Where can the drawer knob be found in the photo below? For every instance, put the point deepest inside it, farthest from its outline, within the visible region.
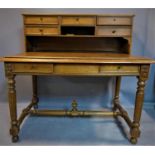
(114, 19)
(41, 30)
(33, 67)
(41, 18)
(119, 67)
(77, 19)
(114, 31)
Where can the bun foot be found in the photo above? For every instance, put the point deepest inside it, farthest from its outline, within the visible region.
(15, 139)
(133, 140)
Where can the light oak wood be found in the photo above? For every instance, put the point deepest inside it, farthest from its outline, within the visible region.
(78, 20)
(77, 57)
(41, 20)
(75, 69)
(32, 68)
(113, 31)
(114, 20)
(117, 69)
(42, 31)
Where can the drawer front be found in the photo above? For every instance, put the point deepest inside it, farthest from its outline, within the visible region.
(119, 69)
(114, 21)
(76, 69)
(32, 68)
(78, 21)
(41, 31)
(113, 31)
(41, 20)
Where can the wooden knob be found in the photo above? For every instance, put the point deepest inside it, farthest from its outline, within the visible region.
(114, 31)
(119, 67)
(77, 19)
(114, 19)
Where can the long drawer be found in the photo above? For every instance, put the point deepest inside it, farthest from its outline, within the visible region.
(78, 20)
(114, 20)
(38, 68)
(119, 69)
(113, 31)
(41, 20)
(53, 30)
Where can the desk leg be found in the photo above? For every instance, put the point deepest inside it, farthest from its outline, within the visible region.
(135, 131)
(13, 108)
(35, 98)
(117, 90)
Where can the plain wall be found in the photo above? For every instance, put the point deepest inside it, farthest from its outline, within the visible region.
(84, 89)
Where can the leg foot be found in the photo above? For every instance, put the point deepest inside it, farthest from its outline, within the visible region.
(133, 140)
(15, 139)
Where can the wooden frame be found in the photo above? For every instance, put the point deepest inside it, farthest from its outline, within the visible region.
(78, 63)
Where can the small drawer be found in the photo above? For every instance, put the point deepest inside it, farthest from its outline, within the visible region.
(78, 20)
(113, 31)
(75, 69)
(114, 20)
(41, 31)
(119, 69)
(41, 20)
(32, 68)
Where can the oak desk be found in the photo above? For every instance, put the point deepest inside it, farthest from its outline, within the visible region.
(77, 45)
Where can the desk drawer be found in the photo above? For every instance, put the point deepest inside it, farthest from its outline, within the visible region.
(32, 68)
(114, 20)
(72, 69)
(78, 20)
(42, 31)
(113, 31)
(119, 69)
(41, 20)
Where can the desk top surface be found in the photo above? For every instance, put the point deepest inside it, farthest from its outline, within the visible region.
(77, 57)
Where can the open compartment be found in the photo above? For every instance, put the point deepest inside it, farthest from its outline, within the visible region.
(78, 44)
(77, 30)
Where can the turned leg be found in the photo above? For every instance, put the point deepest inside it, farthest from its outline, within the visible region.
(35, 98)
(14, 130)
(135, 131)
(117, 90)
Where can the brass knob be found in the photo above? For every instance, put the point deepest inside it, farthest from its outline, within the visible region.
(114, 31)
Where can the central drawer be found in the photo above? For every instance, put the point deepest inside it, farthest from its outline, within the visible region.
(113, 31)
(72, 69)
(32, 68)
(41, 20)
(54, 30)
(78, 20)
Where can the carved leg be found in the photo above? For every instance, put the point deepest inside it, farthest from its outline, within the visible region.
(117, 90)
(35, 98)
(135, 131)
(13, 109)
